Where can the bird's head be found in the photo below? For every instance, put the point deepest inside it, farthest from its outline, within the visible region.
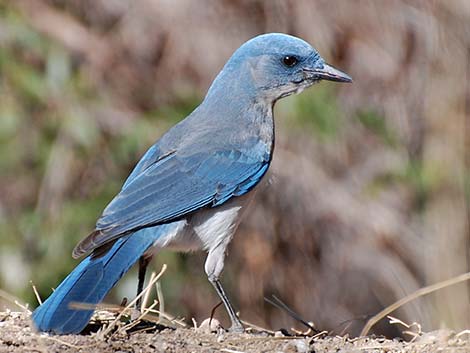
(276, 65)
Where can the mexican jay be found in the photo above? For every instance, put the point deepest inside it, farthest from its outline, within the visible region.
(189, 190)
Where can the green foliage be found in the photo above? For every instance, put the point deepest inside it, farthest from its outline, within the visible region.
(315, 109)
(377, 125)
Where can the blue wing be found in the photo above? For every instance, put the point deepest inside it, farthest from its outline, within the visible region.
(164, 188)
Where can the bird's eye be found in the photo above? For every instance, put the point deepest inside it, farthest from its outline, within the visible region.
(289, 60)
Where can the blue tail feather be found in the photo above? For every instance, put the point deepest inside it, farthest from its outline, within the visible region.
(90, 281)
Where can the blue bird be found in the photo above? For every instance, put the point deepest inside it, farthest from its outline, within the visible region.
(190, 189)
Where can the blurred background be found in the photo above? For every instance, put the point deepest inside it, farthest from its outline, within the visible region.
(368, 194)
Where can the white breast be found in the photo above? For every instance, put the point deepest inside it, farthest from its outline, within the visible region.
(208, 228)
(216, 226)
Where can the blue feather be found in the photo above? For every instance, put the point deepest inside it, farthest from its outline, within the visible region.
(91, 280)
(174, 186)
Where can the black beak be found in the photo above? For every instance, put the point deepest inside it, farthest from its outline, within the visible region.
(328, 72)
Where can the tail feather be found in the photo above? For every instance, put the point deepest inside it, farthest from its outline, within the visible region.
(90, 281)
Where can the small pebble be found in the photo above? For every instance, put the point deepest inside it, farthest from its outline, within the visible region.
(296, 346)
(214, 326)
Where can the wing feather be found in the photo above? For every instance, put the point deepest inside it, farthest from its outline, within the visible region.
(163, 189)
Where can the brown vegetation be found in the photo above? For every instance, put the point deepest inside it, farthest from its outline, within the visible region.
(368, 194)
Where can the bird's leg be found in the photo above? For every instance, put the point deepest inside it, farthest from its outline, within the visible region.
(214, 267)
(236, 323)
(143, 263)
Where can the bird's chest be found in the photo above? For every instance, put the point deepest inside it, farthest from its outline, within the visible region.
(216, 226)
(211, 227)
(260, 124)
(252, 132)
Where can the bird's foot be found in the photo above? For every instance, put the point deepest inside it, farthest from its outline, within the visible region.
(236, 327)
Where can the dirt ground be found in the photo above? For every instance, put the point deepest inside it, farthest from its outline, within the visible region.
(16, 335)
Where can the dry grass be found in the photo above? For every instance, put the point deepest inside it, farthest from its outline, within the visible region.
(16, 336)
(419, 293)
(111, 332)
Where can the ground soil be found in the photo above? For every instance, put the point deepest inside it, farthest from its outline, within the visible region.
(16, 335)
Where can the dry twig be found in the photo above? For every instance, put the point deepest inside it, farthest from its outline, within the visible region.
(36, 293)
(147, 294)
(419, 293)
(14, 300)
(105, 332)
